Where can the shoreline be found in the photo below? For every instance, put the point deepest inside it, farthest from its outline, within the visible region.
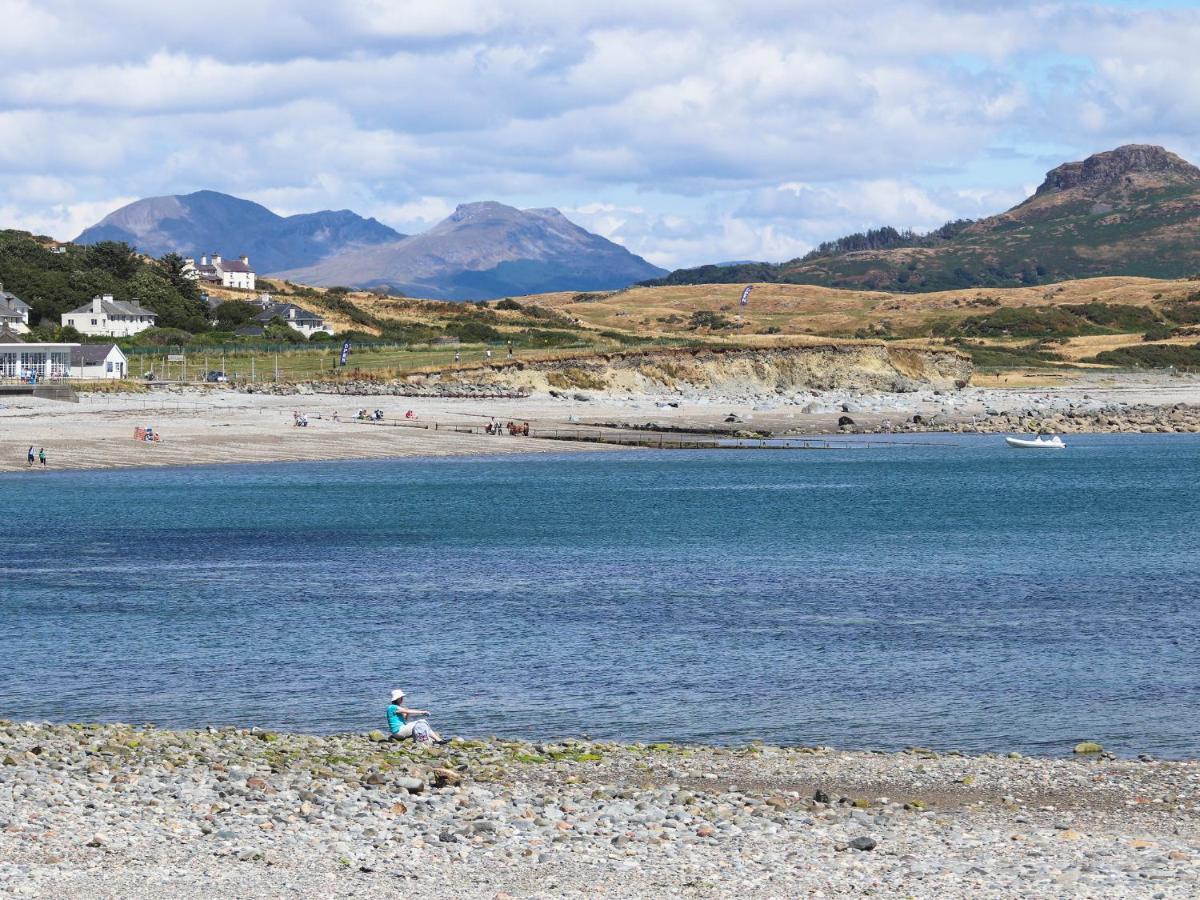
(221, 426)
(117, 810)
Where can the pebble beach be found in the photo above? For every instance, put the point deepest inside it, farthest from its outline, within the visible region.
(122, 811)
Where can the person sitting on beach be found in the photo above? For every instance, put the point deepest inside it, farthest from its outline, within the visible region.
(400, 726)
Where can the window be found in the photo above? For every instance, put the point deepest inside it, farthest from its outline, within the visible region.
(93, 321)
(108, 366)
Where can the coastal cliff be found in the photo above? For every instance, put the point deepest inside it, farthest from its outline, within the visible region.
(726, 371)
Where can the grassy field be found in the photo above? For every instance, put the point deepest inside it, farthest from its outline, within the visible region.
(1004, 329)
(315, 363)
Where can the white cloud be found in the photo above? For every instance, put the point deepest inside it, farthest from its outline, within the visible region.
(777, 123)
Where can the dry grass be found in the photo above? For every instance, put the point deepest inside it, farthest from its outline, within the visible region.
(797, 310)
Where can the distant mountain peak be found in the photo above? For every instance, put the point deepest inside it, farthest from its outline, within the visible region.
(196, 223)
(487, 249)
(1110, 168)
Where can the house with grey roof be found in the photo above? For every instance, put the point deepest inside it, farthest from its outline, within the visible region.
(109, 317)
(14, 312)
(230, 273)
(98, 361)
(297, 317)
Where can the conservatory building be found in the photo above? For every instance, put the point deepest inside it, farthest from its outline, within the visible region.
(33, 363)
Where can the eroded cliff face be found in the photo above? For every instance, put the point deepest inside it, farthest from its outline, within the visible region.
(865, 367)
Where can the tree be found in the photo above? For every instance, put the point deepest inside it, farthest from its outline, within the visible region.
(233, 313)
(115, 257)
(153, 289)
(172, 265)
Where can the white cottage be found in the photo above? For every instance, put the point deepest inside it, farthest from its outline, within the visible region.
(98, 361)
(297, 317)
(113, 318)
(230, 273)
(14, 312)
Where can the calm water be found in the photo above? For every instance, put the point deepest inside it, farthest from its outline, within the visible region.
(962, 595)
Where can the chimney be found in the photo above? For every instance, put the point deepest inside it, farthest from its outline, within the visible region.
(291, 312)
(246, 261)
(190, 261)
(204, 260)
(96, 301)
(216, 259)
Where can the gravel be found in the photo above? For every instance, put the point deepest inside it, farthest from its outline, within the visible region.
(122, 811)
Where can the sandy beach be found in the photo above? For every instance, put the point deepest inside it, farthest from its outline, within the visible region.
(212, 426)
(122, 811)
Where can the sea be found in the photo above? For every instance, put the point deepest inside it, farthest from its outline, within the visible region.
(943, 591)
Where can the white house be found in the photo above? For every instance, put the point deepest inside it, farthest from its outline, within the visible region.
(230, 273)
(32, 362)
(297, 317)
(114, 318)
(98, 361)
(14, 312)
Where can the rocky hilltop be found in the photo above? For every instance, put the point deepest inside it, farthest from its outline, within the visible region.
(1121, 168)
(1134, 210)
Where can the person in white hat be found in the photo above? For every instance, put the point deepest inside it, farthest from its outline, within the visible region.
(400, 726)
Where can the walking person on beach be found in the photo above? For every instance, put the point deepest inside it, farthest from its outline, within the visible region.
(29, 457)
(42, 456)
(400, 726)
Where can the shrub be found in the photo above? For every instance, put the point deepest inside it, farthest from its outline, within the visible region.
(703, 318)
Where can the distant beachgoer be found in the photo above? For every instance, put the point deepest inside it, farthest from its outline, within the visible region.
(29, 457)
(487, 354)
(42, 456)
(400, 726)
(457, 357)
(510, 353)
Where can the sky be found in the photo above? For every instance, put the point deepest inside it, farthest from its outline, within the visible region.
(690, 132)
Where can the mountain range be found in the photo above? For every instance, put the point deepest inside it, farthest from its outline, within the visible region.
(207, 221)
(1134, 210)
(481, 251)
(486, 250)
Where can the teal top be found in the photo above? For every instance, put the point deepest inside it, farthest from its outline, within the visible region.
(395, 719)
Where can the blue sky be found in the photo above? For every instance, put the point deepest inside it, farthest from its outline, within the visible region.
(689, 131)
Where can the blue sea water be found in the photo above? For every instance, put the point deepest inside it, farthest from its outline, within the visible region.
(955, 595)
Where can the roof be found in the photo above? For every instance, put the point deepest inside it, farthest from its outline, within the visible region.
(91, 354)
(116, 308)
(234, 265)
(8, 336)
(283, 311)
(249, 331)
(10, 302)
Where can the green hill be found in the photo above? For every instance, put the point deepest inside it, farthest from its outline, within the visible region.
(1130, 211)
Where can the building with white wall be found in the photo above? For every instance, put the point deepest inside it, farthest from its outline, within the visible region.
(230, 273)
(98, 361)
(14, 312)
(33, 363)
(297, 317)
(109, 317)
